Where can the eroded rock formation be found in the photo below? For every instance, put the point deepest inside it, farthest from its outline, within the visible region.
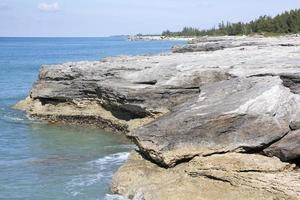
(239, 115)
(204, 118)
(227, 177)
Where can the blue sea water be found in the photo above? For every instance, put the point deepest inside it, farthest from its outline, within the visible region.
(42, 161)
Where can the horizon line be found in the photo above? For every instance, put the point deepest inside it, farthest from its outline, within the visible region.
(63, 36)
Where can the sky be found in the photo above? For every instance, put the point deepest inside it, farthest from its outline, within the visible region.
(86, 18)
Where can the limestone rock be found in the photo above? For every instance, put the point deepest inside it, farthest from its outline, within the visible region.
(209, 46)
(142, 87)
(295, 123)
(226, 94)
(227, 177)
(292, 81)
(288, 148)
(218, 43)
(234, 115)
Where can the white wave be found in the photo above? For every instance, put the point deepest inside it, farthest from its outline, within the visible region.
(125, 146)
(111, 159)
(102, 171)
(13, 118)
(115, 197)
(77, 184)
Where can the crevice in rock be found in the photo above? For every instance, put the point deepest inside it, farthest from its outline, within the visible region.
(159, 162)
(262, 75)
(186, 159)
(123, 114)
(152, 82)
(215, 153)
(185, 88)
(146, 156)
(256, 171)
(259, 149)
(291, 81)
(288, 45)
(296, 162)
(52, 101)
(183, 160)
(214, 178)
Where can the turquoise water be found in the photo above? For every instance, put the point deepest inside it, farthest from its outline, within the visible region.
(41, 161)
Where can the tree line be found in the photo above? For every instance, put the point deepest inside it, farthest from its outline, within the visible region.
(285, 23)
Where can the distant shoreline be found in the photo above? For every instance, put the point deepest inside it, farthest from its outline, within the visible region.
(157, 37)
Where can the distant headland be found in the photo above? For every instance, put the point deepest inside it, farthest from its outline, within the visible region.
(282, 24)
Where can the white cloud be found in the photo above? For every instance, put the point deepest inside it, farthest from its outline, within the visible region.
(49, 7)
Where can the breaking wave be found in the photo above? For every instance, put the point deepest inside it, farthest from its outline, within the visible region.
(114, 197)
(117, 158)
(102, 169)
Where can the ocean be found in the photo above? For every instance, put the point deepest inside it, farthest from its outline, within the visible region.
(41, 161)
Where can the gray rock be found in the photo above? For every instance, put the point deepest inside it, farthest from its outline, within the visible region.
(292, 81)
(142, 102)
(295, 123)
(184, 109)
(207, 44)
(234, 115)
(287, 149)
(129, 92)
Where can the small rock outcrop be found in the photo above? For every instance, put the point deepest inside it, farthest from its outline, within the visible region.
(217, 43)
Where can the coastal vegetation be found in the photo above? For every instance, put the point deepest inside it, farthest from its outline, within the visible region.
(285, 23)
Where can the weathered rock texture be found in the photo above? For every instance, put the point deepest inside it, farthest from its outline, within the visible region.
(227, 177)
(234, 115)
(222, 95)
(220, 43)
(288, 148)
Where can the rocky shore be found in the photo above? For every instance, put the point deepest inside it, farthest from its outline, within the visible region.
(215, 119)
(157, 37)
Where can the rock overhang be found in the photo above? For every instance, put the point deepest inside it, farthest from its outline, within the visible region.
(169, 85)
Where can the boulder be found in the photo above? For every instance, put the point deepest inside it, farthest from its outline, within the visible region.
(287, 149)
(295, 123)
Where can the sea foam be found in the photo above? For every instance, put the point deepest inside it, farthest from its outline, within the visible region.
(103, 172)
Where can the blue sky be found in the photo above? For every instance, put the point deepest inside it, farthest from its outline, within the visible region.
(116, 17)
